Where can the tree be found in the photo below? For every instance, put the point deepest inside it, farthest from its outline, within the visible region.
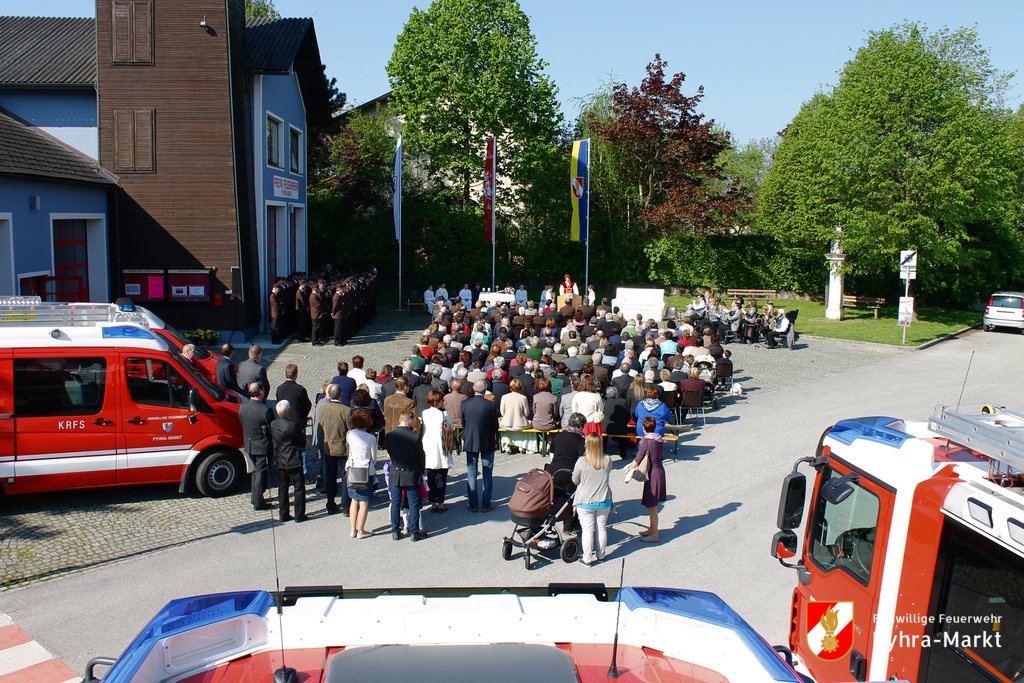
(670, 154)
(261, 9)
(466, 69)
(911, 149)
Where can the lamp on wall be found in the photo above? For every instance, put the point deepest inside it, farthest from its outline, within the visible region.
(35, 202)
(205, 26)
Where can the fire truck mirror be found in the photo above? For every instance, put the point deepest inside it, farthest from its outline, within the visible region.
(835, 491)
(791, 506)
(193, 399)
(784, 544)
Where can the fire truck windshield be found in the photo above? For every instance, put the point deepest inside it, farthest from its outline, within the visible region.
(188, 368)
(843, 534)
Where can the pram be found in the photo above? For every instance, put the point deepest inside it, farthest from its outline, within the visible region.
(537, 505)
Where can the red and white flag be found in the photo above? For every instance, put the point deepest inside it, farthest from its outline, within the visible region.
(489, 165)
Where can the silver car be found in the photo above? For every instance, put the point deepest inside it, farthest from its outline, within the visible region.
(1005, 309)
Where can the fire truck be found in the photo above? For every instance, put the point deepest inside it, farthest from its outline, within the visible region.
(911, 564)
(92, 396)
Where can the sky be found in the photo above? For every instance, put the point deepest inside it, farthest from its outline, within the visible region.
(758, 61)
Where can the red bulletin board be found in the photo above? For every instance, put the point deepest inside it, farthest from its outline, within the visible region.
(144, 285)
(189, 285)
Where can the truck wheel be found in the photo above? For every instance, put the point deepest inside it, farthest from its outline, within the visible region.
(218, 474)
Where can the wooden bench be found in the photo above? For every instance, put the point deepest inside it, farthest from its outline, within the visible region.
(537, 432)
(752, 295)
(857, 301)
(410, 304)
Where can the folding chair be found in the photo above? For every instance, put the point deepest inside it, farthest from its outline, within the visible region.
(695, 400)
(671, 399)
(723, 374)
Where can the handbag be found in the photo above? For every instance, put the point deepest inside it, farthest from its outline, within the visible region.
(641, 471)
(359, 475)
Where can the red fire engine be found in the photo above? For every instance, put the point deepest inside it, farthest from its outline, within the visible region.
(912, 561)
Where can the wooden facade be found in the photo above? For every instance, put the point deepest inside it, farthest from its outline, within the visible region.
(171, 104)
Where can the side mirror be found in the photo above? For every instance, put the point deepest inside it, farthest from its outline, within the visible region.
(784, 544)
(835, 491)
(193, 399)
(791, 505)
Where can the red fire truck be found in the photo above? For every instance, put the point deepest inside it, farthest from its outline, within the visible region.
(911, 564)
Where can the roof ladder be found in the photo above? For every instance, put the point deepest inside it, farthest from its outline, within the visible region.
(1000, 435)
(31, 311)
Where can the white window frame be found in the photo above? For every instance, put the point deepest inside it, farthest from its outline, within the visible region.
(302, 150)
(280, 143)
(7, 265)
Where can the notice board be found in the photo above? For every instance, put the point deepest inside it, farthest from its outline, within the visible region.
(189, 285)
(144, 285)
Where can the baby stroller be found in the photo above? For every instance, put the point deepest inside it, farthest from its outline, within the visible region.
(537, 506)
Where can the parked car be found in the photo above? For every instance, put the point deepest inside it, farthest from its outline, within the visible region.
(1005, 309)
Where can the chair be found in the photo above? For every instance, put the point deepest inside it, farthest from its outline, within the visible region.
(670, 399)
(723, 374)
(671, 313)
(790, 339)
(695, 400)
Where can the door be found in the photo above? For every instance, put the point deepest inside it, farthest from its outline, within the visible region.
(845, 556)
(158, 426)
(6, 417)
(64, 421)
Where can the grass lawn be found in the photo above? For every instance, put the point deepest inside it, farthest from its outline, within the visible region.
(860, 324)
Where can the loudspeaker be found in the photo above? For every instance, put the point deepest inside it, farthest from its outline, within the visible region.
(236, 282)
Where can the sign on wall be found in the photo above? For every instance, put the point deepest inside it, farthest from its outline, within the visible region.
(286, 188)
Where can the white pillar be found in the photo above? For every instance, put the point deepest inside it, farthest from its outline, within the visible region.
(834, 305)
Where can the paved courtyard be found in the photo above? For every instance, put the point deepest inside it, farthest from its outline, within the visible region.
(43, 536)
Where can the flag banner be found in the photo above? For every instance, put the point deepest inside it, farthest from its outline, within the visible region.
(397, 196)
(489, 190)
(579, 179)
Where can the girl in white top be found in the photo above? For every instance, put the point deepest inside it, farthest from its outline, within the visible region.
(593, 498)
(362, 452)
(437, 462)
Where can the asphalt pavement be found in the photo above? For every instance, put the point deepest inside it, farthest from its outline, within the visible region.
(717, 524)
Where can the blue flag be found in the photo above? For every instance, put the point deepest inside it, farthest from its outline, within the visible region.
(579, 181)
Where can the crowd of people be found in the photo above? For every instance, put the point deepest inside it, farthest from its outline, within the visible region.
(482, 379)
(325, 308)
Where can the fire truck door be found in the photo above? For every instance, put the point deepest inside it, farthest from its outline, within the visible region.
(845, 556)
(155, 419)
(6, 418)
(64, 424)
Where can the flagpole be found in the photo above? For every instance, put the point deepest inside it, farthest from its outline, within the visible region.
(494, 198)
(397, 209)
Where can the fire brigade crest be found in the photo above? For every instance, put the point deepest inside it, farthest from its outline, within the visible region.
(168, 426)
(829, 629)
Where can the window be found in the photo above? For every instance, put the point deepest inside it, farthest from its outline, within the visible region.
(295, 150)
(131, 31)
(53, 387)
(1006, 301)
(843, 535)
(273, 141)
(977, 584)
(134, 140)
(156, 383)
(70, 262)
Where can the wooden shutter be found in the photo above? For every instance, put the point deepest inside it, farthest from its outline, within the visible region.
(121, 31)
(144, 140)
(124, 157)
(142, 31)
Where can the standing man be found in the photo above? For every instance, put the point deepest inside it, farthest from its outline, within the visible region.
(276, 314)
(396, 404)
(405, 447)
(480, 433)
(252, 370)
(302, 311)
(256, 418)
(288, 442)
(295, 394)
(334, 425)
(345, 383)
(319, 312)
(226, 375)
(338, 313)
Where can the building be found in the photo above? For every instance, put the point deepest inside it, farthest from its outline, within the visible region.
(203, 118)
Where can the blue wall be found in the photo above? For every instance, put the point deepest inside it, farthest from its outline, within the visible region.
(282, 98)
(31, 228)
(51, 108)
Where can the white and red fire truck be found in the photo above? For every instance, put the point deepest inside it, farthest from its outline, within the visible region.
(912, 560)
(91, 396)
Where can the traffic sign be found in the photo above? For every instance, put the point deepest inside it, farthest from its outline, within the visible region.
(906, 311)
(908, 264)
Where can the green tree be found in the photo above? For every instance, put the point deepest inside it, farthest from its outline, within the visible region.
(261, 9)
(466, 69)
(911, 149)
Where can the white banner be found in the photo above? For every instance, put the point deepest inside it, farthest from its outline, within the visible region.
(648, 302)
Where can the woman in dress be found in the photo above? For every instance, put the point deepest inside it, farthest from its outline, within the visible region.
(654, 488)
(593, 499)
(437, 461)
(362, 453)
(654, 408)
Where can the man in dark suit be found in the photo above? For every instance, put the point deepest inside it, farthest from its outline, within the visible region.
(405, 448)
(251, 370)
(288, 443)
(255, 417)
(293, 392)
(276, 315)
(226, 375)
(302, 311)
(480, 433)
(344, 382)
(319, 312)
(498, 387)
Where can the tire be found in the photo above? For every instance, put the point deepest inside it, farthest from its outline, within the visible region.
(570, 550)
(989, 328)
(219, 474)
(506, 550)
